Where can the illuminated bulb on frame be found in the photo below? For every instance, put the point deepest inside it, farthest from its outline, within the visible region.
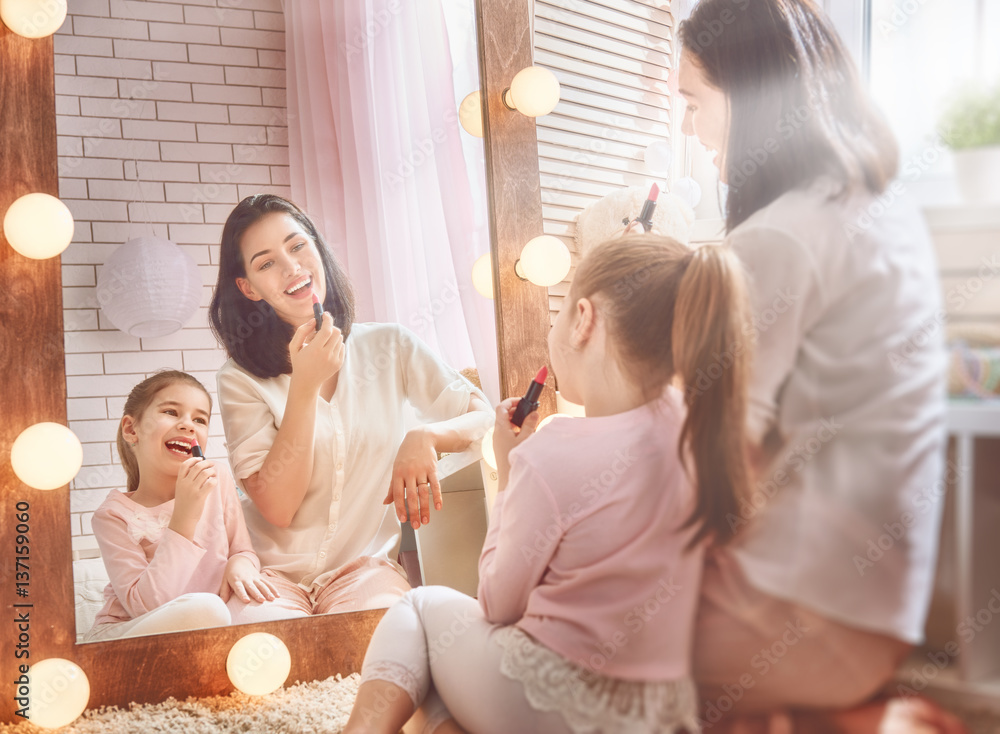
(58, 692)
(31, 18)
(38, 226)
(258, 664)
(489, 455)
(687, 190)
(46, 455)
(533, 92)
(470, 114)
(482, 276)
(545, 261)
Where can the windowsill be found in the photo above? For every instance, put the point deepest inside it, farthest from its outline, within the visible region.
(962, 217)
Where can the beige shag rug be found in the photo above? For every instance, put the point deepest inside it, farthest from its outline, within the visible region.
(304, 708)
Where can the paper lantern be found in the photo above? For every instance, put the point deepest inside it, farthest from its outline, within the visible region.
(38, 226)
(258, 664)
(33, 18)
(58, 692)
(46, 456)
(470, 114)
(149, 287)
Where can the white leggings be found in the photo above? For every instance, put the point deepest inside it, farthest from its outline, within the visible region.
(186, 612)
(436, 635)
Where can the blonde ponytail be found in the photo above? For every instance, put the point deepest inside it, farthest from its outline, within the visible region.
(711, 355)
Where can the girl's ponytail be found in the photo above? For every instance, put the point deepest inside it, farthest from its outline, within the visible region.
(711, 355)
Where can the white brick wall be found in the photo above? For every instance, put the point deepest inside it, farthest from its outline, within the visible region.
(167, 113)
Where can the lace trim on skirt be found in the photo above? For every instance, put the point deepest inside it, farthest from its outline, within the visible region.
(398, 674)
(590, 702)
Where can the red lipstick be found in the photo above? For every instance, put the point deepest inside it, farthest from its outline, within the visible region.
(529, 403)
(196, 449)
(317, 311)
(646, 216)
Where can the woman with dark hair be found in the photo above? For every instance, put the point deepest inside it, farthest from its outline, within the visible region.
(810, 609)
(314, 417)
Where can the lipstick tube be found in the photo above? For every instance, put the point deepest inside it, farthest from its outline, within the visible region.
(529, 403)
(646, 215)
(317, 311)
(196, 451)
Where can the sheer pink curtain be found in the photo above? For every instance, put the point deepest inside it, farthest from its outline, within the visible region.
(376, 159)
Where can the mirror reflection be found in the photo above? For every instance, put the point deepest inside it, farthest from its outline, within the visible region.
(168, 117)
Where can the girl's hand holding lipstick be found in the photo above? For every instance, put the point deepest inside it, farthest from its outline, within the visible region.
(196, 479)
(507, 436)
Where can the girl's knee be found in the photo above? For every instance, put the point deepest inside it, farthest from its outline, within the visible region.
(204, 609)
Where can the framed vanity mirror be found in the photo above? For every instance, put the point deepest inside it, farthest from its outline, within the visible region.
(149, 669)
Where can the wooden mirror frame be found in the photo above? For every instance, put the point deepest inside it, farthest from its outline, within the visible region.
(151, 669)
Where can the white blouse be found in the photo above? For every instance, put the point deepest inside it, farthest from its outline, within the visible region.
(848, 391)
(357, 436)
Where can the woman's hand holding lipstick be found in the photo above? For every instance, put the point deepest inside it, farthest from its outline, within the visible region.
(316, 361)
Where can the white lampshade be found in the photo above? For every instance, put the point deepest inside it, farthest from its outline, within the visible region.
(545, 260)
(258, 664)
(33, 18)
(38, 226)
(657, 157)
(46, 456)
(58, 692)
(149, 287)
(489, 455)
(533, 92)
(482, 276)
(470, 114)
(687, 190)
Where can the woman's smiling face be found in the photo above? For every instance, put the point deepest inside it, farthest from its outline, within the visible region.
(283, 267)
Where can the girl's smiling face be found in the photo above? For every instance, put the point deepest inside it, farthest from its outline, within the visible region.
(283, 267)
(706, 114)
(163, 435)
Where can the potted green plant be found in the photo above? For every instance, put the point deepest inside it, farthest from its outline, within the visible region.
(970, 126)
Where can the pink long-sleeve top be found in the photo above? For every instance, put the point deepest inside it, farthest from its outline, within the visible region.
(586, 550)
(149, 564)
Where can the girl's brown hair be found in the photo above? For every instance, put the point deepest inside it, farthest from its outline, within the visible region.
(138, 401)
(797, 108)
(673, 311)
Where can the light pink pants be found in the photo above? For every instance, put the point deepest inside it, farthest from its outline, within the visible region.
(755, 653)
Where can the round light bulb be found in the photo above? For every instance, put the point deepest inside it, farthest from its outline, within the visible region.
(545, 260)
(258, 664)
(33, 18)
(687, 190)
(489, 455)
(658, 157)
(38, 226)
(534, 91)
(548, 419)
(46, 456)
(58, 692)
(470, 114)
(482, 276)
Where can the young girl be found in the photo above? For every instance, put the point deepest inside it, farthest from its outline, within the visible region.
(315, 416)
(174, 544)
(590, 573)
